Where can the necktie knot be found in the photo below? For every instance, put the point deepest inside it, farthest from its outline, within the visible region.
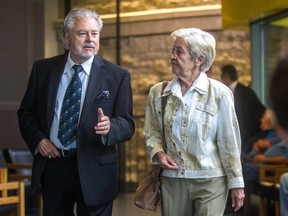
(77, 68)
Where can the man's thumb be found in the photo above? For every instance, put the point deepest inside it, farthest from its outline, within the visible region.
(100, 113)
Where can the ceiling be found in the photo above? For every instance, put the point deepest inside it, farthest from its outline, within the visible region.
(238, 14)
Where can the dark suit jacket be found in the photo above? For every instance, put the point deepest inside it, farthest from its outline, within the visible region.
(249, 111)
(97, 162)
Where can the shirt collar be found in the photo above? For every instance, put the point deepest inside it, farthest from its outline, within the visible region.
(200, 85)
(86, 65)
(233, 86)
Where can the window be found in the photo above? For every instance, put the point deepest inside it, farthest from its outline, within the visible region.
(269, 42)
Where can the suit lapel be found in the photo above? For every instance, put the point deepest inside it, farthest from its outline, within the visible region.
(96, 77)
(57, 70)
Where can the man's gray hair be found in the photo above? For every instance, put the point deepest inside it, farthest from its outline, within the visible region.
(78, 14)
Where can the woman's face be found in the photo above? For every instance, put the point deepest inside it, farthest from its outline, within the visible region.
(183, 64)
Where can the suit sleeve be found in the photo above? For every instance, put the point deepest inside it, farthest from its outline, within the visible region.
(28, 114)
(122, 125)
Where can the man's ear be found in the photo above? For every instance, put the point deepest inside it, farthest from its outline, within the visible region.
(67, 39)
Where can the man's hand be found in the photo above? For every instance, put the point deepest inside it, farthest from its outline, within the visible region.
(47, 149)
(103, 126)
(260, 158)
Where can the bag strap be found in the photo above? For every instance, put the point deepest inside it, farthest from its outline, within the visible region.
(157, 169)
(163, 105)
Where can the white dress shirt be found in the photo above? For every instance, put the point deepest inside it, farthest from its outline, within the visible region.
(65, 80)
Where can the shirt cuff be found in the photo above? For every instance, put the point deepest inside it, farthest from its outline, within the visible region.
(237, 182)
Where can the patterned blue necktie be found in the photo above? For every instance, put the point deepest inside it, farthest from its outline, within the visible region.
(70, 109)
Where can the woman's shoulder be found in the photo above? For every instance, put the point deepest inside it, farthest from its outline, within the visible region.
(157, 88)
(216, 83)
(219, 86)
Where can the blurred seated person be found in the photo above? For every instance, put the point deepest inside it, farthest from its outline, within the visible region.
(261, 151)
(271, 150)
(263, 140)
(276, 154)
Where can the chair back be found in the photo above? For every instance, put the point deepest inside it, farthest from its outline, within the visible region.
(19, 157)
(11, 193)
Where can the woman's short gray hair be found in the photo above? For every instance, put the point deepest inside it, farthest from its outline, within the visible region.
(78, 14)
(200, 43)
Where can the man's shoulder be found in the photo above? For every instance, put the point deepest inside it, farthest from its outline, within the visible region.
(247, 94)
(53, 59)
(110, 66)
(218, 87)
(241, 86)
(244, 89)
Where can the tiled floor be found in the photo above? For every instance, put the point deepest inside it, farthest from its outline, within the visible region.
(124, 206)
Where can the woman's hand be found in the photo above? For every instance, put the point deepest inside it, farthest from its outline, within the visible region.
(237, 195)
(166, 161)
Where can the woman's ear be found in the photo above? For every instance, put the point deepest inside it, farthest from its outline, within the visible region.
(200, 60)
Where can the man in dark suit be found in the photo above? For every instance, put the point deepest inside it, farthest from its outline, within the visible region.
(77, 163)
(249, 108)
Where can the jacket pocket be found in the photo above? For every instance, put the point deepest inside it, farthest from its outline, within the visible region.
(204, 114)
